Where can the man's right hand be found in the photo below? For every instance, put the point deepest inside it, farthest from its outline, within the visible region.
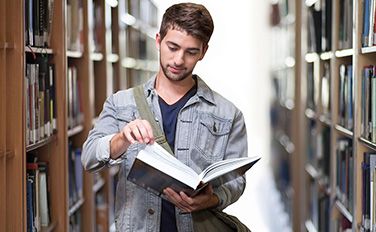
(138, 130)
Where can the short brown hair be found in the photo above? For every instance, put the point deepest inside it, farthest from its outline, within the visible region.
(192, 18)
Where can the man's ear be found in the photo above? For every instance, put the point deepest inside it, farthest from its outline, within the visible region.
(205, 48)
(158, 41)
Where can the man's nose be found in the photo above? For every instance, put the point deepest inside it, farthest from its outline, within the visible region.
(179, 58)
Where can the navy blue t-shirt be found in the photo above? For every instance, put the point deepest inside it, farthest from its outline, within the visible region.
(169, 116)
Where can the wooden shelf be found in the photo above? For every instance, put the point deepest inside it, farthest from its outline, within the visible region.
(49, 228)
(326, 120)
(313, 173)
(286, 143)
(76, 130)
(326, 55)
(342, 209)
(96, 56)
(98, 185)
(39, 50)
(368, 50)
(74, 54)
(311, 57)
(146, 65)
(344, 53)
(112, 58)
(40, 143)
(368, 143)
(133, 22)
(76, 206)
(310, 227)
(311, 114)
(344, 131)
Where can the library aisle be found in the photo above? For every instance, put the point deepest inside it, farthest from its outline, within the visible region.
(260, 207)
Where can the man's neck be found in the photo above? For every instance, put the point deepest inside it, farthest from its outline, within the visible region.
(172, 91)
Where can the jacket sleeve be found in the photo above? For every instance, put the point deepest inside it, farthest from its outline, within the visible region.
(96, 149)
(237, 147)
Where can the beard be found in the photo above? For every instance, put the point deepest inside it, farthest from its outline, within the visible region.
(175, 77)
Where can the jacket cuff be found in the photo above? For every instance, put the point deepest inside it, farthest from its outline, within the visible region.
(103, 148)
(222, 196)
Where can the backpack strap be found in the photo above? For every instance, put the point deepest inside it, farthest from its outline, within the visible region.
(145, 113)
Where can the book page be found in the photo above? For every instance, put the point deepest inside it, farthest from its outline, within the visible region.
(157, 157)
(228, 169)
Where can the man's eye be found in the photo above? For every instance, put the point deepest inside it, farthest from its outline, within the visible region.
(172, 49)
(192, 53)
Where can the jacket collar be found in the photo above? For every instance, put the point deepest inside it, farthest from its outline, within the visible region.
(203, 90)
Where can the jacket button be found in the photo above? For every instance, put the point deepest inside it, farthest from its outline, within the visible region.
(151, 211)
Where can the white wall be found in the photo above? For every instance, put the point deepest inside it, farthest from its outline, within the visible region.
(236, 65)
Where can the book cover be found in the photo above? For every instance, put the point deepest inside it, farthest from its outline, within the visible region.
(155, 169)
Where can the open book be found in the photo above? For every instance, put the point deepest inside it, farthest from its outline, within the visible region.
(155, 169)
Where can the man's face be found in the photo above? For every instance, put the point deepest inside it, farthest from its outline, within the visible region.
(179, 54)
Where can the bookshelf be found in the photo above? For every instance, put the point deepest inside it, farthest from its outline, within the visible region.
(58, 64)
(335, 134)
(286, 105)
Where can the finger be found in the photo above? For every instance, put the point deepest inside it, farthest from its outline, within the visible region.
(174, 198)
(135, 132)
(128, 135)
(186, 198)
(149, 130)
(144, 130)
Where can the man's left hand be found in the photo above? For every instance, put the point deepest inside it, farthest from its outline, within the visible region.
(206, 199)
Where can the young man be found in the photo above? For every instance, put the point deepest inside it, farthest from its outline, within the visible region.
(200, 125)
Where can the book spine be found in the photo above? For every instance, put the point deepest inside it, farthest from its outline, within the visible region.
(373, 108)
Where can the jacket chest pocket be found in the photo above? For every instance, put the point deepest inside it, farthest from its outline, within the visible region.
(125, 115)
(212, 136)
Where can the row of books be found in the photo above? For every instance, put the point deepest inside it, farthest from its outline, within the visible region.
(346, 96)
(369, 23)
(315, 87)
(75, 25)
(142, 45)
(345, 36)
(97, 26)
(75, 222)
(74, 100)
(369, 192)
(320, 26)
(312, 87)
(325, 90)
(318, 153)
(38, 20)
(345, 173)
(143, 10)
(368, 104)
(37, 197)
(40, 99)
(319, 208)
(75, 172)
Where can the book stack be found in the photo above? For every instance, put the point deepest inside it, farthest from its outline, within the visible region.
(346, 96)
(37, 197)
(368, 104)
(345, 173)
(40, 99)
(38, 20)
(369, 192)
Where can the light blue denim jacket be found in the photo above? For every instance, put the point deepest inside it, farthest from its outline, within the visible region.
(209, 128)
